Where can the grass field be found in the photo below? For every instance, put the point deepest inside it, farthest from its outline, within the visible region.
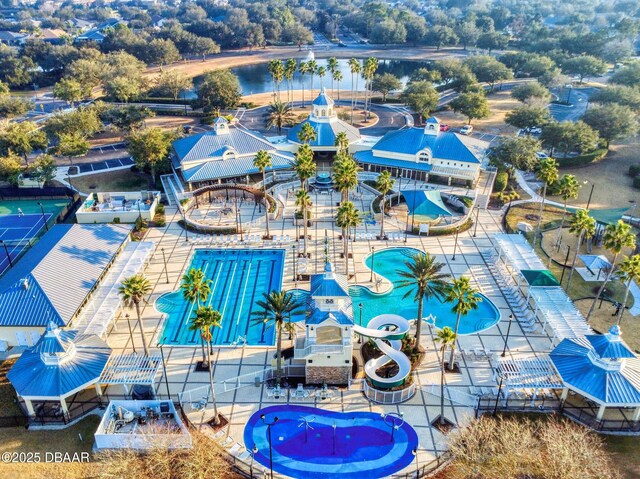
(626, 454)
(120, 180)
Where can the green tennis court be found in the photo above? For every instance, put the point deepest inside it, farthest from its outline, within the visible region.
(10, 207)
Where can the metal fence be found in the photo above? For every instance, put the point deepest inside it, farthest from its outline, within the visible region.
(389, 397)
(46, 192)
(454, 395)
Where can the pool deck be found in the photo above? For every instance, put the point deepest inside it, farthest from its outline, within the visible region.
(240, 404)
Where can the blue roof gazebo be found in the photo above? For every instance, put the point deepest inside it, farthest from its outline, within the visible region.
(601, 368)
(60, 364)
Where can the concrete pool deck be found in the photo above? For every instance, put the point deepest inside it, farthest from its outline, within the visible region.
(238, 405)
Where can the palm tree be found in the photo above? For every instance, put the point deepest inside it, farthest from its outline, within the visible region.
(321, 72)
(303, 201)
(342, 142)
(204, 319)
(133, 290)
(384, 184)
(548, 173)
(446, 338)
(355, 67)
(332, 66)
(313, 68)
(347, 217)
(424, 279)
(629, 272)
(280, 115)
(616, 238)
(196, 288)
(289, 70)
(337, 77)
(369, 70)
(583, 226)
(276, 68)
(345, 174)
(568, 187)
(307, 133)
(262, 161)
(303, 68)
(278, 307)
(304, 165)
(466, 299)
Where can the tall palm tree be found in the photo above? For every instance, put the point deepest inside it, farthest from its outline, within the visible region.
(290, 68)
(304, 165)
(280, 114)
(629, 272)
(616, 238)
(345, 174)
(307, 133)
(277, 307)
(204, 320)
(133, 290)
(445, 337)
(337, 77)
(276, 68)
(466, 299)
(423, 278)
(342, 142)
(332, 66)
(303, 201)
(262, 161)
(384, 184)
(355, 67)
(196, 288)
(583, 226)
(347, 217)
(547, 171)
(369, 70)
(568, 187)
(313, 68)
(303, 68)
(321, 72)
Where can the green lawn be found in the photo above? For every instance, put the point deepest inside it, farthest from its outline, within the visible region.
(8, 404)
(120, 180)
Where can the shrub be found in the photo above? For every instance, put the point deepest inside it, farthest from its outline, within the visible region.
(116, 220)
(584, 159)
(634, 170)
(140, 224)
(160, 223)
(501, 181)
(160, 209)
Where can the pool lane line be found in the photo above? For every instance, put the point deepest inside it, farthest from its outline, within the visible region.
(229, 283)
(270, 289)
(226, 268)
(244, 294)
(243, 277)
(252, 301)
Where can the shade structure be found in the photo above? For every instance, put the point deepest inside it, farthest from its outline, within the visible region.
(556, 310)
(59, 364)
(516, 251)
(594, 262)
(587, 366)
(425, 203)
(539, 277)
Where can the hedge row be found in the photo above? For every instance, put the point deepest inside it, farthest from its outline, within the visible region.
(584, 159)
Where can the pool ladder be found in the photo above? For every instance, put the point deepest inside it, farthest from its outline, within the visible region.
(240, 341)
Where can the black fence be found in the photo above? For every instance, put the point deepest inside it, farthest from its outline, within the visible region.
(47, 192)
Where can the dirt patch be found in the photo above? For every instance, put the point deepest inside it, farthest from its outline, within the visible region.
(603, 318)
(121, 180)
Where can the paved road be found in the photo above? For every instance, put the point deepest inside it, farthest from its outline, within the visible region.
(579, 98)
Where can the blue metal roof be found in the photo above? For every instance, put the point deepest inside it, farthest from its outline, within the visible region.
(444, 145)
(339, 316)
(605, 379)
(432, 119)
(329, 284)
(610, 345)
(369, 158)
(323, 99)
(51, 281)
(61, 362)
(212, 144)
(233, 167)
(326, 132)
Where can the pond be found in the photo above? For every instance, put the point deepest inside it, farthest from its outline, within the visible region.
(257, 79)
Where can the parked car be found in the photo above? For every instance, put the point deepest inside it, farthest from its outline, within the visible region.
(541, 155)
(444, 127)
(466, 130)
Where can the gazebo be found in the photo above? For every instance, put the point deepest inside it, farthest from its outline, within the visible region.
(600, 368)
(61, 364)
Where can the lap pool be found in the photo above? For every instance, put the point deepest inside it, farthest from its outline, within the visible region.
(387, 262)
(360, 446)
(239, 278)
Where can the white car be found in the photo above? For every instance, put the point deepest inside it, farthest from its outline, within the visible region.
(466, 130)
(541, 155)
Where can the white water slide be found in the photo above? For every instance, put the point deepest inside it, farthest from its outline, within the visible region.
(387, 331)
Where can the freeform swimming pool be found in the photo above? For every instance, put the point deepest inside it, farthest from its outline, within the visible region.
(239, 278)
(387, 262)
(364, 445)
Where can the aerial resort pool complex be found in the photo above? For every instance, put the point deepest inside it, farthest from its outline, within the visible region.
(238, 279)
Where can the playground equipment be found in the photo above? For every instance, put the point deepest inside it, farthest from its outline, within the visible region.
(387, 331)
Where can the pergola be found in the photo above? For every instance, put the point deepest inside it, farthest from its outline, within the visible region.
(601, 368)
(131, 369)
(533, 373)
(516, 252)
(555, 308)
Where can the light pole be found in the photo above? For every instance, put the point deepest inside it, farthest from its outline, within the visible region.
(475, 227)
(593, 185)
(506, 339)
(164, 259)
(6, 250)
(269, 424)
(184, 222)
(455, 244)
(44, 218)
(295, 276)
(495, 407)
(133, 343)
(415, 454)
(164, 369)
(252, 452)
(373, 261)
(360, 306)
(240, 226)
(564, 266)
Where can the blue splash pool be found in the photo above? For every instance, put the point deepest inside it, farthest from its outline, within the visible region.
(364, 446)
(238, 280)
(387, 262)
